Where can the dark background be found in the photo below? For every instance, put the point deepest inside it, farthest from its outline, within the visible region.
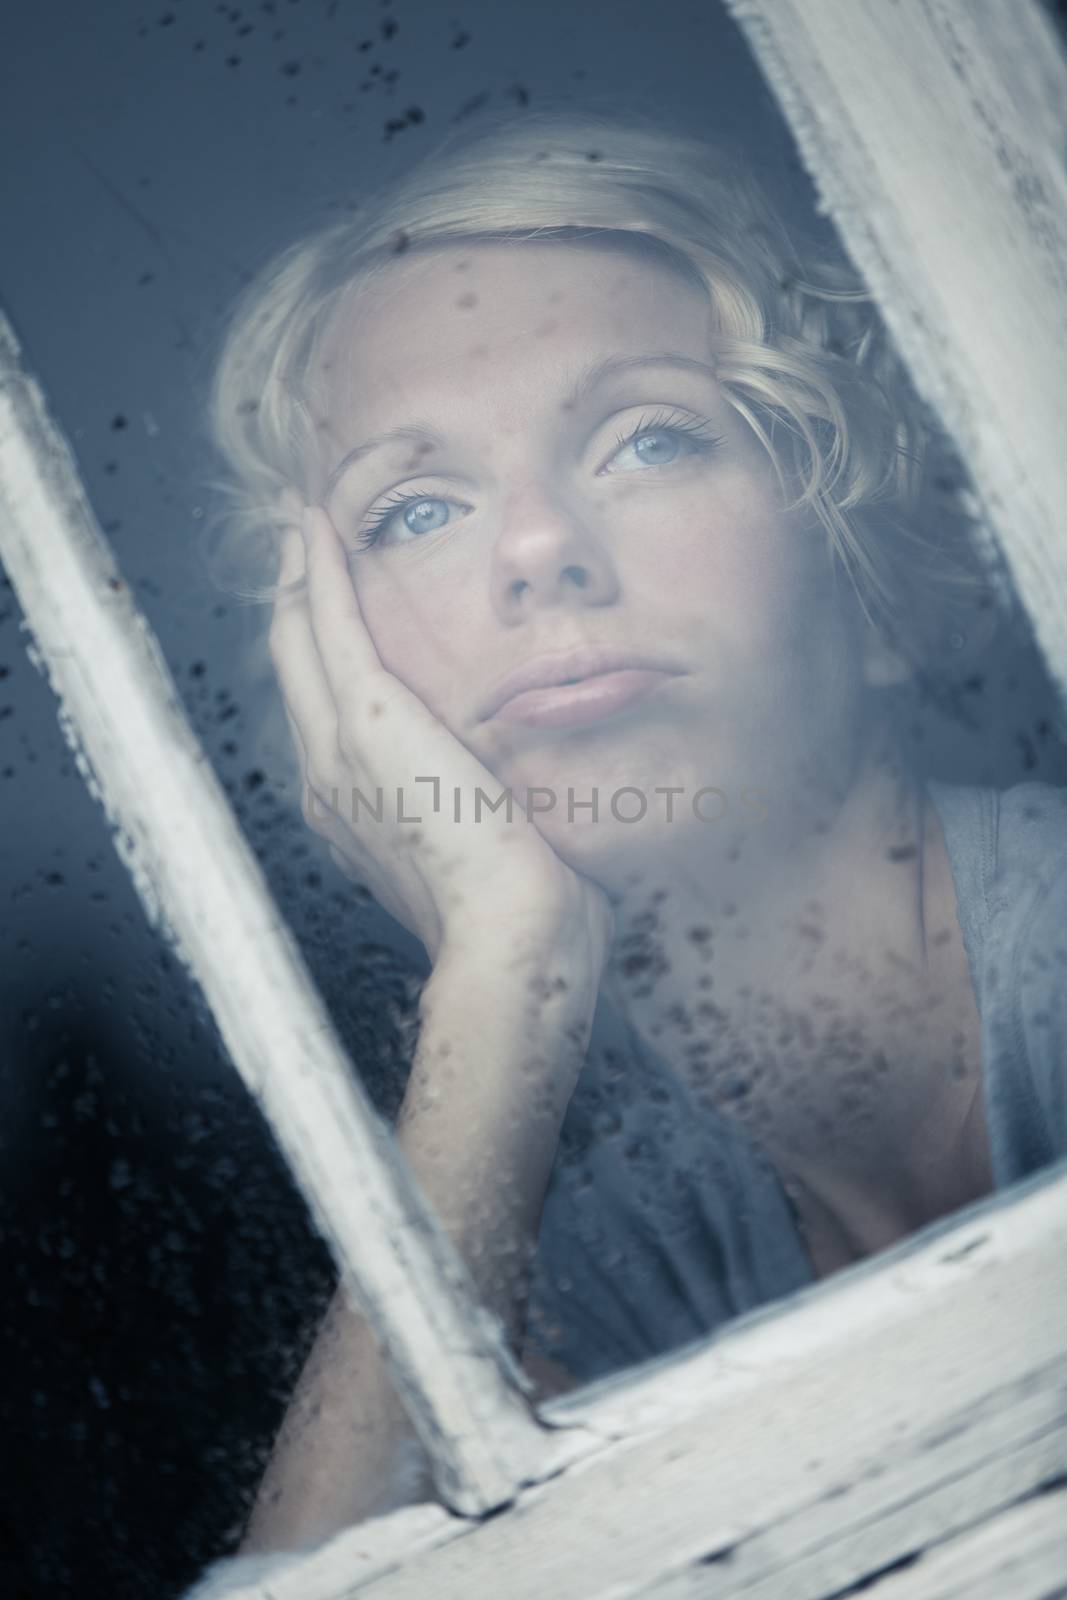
(161, 1278)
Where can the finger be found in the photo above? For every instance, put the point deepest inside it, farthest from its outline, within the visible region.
(318, 801)
(291, 563)
(305, 691)
(366, 694)
(353, 668)
(347, 866)
(298, 744)
(290, 589)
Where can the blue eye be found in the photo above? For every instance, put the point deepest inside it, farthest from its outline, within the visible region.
(659, 447)
(422, 516)
(417, 513)
(659, 440)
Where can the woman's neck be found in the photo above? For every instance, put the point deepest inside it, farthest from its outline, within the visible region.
(734, 913)
(819, 994)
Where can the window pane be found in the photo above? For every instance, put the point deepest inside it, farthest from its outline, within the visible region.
(714, 1029)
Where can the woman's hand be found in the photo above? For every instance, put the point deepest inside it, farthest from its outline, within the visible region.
(357, 726)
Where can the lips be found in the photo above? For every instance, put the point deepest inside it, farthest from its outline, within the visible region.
(571, 666)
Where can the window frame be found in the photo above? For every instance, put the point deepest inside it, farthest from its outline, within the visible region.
(950, 1297)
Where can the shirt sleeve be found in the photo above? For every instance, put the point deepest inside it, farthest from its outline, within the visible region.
(1041, 1010)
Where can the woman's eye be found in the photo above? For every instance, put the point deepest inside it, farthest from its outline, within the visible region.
(657, 445)
(422, 516)
(657, 448)
(407, 517)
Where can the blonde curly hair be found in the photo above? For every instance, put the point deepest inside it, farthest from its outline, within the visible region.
(801, 352)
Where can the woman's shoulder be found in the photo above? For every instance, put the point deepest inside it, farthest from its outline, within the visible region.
(1033, 855)
(1000, 840)
(1008, 850)
(1031, 832)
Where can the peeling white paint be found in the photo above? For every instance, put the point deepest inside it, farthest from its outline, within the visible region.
(205, 893)
(936, 132)
(801, 1450)
(879, 1416)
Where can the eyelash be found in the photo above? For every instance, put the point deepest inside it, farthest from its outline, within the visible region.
(700, 442)
(673, 422)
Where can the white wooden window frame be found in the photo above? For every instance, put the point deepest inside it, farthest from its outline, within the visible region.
(902, 1426)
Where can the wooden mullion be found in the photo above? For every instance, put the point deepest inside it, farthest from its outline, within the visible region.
(935, 132)
(205, 892)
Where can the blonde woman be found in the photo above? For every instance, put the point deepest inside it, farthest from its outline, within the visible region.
(608, 543)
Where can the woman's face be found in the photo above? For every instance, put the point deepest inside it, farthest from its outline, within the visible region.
(564, 472)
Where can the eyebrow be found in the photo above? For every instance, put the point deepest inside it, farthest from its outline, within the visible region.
(597, 373)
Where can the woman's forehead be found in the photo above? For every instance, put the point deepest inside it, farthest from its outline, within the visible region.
(469, 300)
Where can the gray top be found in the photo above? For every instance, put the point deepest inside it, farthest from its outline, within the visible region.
(664, 1219)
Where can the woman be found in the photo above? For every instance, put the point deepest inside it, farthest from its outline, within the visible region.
(599, 501)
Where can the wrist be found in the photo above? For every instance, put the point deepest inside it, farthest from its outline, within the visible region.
(569, 936)
(501, 1036)
(517, 987)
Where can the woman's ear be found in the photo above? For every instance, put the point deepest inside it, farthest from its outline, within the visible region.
(882, 665)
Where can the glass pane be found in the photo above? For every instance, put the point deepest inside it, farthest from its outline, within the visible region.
(662, 556)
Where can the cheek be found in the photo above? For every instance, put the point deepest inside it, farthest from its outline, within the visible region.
(406, 632)
(724, 550)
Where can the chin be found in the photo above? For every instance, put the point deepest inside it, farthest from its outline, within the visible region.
(607, 851)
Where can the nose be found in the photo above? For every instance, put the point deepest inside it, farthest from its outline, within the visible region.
(546, 555)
